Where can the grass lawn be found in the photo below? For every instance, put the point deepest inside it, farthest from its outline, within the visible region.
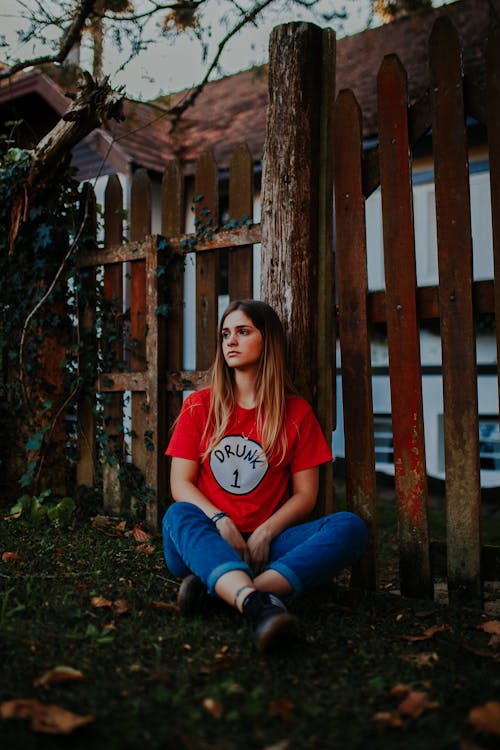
(355, 677)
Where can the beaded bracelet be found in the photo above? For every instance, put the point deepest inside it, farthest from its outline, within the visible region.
(217, 516)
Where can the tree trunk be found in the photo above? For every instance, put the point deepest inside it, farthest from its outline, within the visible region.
(290, 194)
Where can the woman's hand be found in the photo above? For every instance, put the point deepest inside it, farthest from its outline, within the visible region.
(259, 544)
(228, 531)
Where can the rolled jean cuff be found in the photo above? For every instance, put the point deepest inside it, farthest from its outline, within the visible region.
(290, 576)
(226, 567)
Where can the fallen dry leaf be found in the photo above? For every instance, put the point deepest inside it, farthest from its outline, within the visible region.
(480, 652)
(44, 717)
(11, 556)
(429, 633)
(145, 549)
(120, 606)
(415, 703)
(108, 525)
(391, 718)
(486, 718)
(140, 535)
(58, 675)
(213, 707)
(492, 627)
(100, 601)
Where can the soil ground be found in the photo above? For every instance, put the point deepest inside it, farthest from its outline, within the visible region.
(365, 669)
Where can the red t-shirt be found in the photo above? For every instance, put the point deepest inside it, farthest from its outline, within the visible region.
(236, 476)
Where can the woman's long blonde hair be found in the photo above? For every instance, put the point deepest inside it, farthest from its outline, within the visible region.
(272, 385)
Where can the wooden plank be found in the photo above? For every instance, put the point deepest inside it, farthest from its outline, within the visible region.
(240, 260)
(87, 359)
(119, 382)
(223, 238)
(463, 495)
(290, 194)
(181, 243)
(483, 297)
(206, 213)
(156, 356)
(140, 215)
(493, 94)
(403, 330)
(140, 227)
(352, 287)
(187, 380)
(116, 254)
(113, 310)
(172, 224)
(326, 346)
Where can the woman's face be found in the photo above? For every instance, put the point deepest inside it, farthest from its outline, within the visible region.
(242, 342)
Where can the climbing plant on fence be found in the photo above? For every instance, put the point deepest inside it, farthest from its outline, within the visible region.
(37, 347)
(59, 329)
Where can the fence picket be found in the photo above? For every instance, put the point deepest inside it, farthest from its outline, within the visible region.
(240, 267)
(353, 327)
(86, 439)
(140, 225)
(207, 264)
(113, 298)
(172, 225)
(403, 330)
(463, 492)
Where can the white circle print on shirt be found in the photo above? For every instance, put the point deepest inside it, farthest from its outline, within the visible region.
(238, 464)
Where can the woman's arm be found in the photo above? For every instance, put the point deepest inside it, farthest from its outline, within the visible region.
(183, 477)
(297, 507)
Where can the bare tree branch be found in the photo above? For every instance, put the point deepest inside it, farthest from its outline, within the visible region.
(69, 38)
(249, 17)
(95, 103)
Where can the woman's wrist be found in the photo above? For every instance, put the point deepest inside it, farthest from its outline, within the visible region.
(217, 517)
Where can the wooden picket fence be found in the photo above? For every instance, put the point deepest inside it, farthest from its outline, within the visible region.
(455, 302)
(155, 377)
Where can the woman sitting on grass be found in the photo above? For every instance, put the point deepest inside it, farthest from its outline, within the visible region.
(245, 465)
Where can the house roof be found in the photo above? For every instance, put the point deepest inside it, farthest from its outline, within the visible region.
(232, 110)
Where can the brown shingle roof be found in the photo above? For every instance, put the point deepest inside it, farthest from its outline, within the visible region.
(233, 109)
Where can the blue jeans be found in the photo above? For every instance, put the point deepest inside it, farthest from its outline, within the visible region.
(306, 555)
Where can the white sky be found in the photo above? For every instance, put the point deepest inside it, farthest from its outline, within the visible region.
(174, 64)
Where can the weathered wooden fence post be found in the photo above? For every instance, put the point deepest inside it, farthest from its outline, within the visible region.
(352, 279)
(461, 431)
(403, 330)
(172, 224)
(87, 446)
(113, 296)
(292, 203)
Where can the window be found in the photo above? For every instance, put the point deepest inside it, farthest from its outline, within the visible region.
(489, 443)
(384, 447)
